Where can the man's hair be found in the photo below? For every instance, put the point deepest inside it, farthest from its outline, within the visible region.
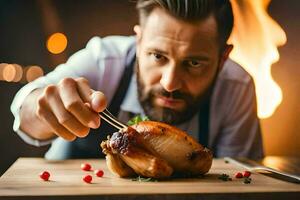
(193, 10)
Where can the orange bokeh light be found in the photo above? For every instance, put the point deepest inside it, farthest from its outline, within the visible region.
(57, 43)
(34, 72)
(9, 73)
(19, 73)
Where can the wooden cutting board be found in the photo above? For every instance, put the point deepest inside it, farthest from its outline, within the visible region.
(21, 181)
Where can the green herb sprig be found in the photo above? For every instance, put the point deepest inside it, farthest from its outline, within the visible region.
(225, 177)
(247, 180)
(137, 119)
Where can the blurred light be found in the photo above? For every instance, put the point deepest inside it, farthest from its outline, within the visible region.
(19, 73)
(33, 72)
(57, 43)
(2, 66)
(9, 72)
(274, 162)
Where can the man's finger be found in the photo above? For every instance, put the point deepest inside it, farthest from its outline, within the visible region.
(99, 102)
(96, 99)
(74, 104)
(84, 89)
(64, 117)
(45, 114)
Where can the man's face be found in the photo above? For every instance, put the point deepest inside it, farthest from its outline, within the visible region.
(177, 62)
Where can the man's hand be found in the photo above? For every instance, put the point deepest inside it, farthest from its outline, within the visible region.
(68, 109)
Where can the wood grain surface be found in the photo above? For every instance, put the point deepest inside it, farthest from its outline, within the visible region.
(21, 181)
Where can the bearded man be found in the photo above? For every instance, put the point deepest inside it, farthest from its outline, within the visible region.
(175, 70)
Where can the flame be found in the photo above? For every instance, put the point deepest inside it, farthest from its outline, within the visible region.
(256, 37)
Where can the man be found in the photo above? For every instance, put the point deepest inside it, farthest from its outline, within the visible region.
(182, 76)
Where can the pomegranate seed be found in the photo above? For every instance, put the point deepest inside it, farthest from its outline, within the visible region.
(86, 167)
(247, 174)
(99, 172)
(45, 175)
(239, 175)
(87, 178)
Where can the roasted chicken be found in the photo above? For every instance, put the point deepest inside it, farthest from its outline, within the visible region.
(155, 149)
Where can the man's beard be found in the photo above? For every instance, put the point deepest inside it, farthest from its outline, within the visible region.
(168, 115)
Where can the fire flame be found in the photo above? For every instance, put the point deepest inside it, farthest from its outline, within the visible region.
(256, 37)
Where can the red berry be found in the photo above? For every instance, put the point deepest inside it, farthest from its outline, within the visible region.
(45, 175)
(239, 175)
(87, 178)
(247, 174)
(99, 172)
(86, 167)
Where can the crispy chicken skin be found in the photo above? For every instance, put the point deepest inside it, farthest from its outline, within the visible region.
(155, 149)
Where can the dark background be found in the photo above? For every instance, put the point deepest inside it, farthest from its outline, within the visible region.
(24, 31)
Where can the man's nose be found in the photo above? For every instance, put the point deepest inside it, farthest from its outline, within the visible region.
(171, 78)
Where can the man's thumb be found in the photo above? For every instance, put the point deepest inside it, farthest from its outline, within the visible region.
(98, 101)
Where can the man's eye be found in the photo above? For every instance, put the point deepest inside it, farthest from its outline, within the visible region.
(194, 63)
(157, 56)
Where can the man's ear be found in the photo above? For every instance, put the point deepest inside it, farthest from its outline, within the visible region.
(138, 31)
(225, 55)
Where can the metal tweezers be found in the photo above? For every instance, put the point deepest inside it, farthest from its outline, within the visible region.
(112, 120)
